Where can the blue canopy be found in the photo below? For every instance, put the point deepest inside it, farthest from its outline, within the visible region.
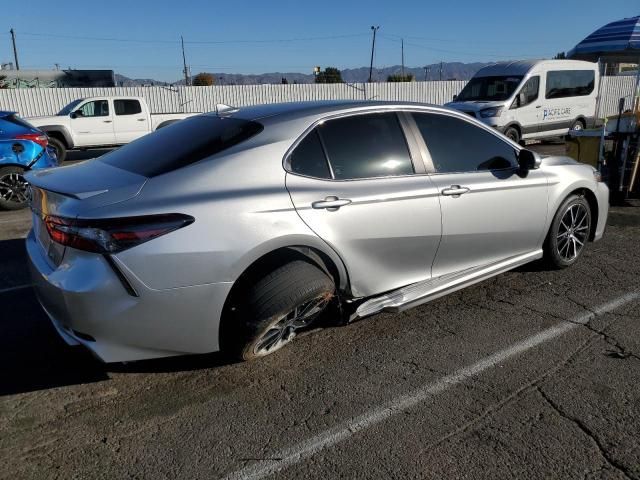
(616, 41)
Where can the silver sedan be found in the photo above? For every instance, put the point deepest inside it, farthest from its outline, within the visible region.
(235, 230)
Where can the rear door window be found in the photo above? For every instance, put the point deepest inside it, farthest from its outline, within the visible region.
(366, 146)
(308, 158)
(127, 107)
(456, 145)
(180, 144)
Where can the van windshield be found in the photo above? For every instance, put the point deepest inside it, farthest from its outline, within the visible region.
(489, 88)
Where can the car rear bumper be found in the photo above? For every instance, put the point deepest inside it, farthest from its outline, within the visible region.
(88, 304)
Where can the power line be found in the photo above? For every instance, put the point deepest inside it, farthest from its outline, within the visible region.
(475, 40)
(195, 42)
(457, 52)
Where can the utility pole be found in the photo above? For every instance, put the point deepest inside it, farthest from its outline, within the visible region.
(184, 64)
(402, 49)
(426, 73)
(373, 47)
(15, 50)
(440, 70)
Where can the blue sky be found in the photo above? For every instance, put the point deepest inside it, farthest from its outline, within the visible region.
(272, 35)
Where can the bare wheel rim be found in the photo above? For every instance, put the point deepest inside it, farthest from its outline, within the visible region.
(13, 188)
(572, 232)
(285, 327)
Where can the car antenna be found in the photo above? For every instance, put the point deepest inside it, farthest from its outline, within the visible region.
(222, 109)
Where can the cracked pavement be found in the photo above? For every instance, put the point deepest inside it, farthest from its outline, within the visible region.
(568, 408)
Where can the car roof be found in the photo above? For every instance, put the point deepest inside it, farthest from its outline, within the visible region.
(304, 109)
(521, 67)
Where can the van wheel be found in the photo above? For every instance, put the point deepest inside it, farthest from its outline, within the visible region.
(13, 189)
(577, 125)
(512, 134)
(569, 233)
(277, 307)
(60, 149)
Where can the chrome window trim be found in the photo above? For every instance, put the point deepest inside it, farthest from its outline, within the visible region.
(286, 161)
(499, 136)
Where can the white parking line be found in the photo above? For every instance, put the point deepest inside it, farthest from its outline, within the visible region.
(297, 453)
(12, 289)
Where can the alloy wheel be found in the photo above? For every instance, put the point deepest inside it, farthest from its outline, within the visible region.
(573, 232)
(285, 327)
(14, 188)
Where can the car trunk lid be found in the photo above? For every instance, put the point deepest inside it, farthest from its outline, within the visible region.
(73, 190)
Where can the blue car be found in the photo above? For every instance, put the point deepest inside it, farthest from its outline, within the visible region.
(22, 147)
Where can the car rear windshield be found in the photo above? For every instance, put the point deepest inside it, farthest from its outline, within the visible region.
(183, 143)
(18, 121)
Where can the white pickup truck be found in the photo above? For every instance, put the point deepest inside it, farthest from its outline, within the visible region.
(99, 122)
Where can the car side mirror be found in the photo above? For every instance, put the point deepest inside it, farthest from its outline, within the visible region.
(455, 97)
(528, 160)
(73, 115)
(522, 99)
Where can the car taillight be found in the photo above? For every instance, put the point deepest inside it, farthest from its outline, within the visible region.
(112, 235)
(39, 138)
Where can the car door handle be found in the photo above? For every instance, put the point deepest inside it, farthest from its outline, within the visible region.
(107, 121)
(538, 106)
(142, 119)
(455, 190)
(331, 203)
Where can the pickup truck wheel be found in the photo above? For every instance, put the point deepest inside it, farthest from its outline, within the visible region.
(60, 149)
(13, 189)
(278, 306)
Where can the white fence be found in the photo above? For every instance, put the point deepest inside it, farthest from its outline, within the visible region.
(48, 101)
(612, 89)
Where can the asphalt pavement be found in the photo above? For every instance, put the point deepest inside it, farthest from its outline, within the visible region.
(533, 374)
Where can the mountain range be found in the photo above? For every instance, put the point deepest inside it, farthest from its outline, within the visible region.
(450, 71)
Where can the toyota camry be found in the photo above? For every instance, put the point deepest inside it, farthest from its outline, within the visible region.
(235, 230)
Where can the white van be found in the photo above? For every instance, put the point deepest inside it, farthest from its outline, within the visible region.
(532, 99)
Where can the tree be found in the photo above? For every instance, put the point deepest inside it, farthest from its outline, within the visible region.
(203, 79)
(560, 56)
(397, 77)
(2, 83)
(330, 75)
(284, 81)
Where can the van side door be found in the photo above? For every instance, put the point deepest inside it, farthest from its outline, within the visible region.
(526, 107)
(568, 96)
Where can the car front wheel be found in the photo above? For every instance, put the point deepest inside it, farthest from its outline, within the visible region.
(277, 307)
(569, 232)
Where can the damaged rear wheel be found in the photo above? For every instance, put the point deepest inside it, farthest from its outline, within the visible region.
(278, 306)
